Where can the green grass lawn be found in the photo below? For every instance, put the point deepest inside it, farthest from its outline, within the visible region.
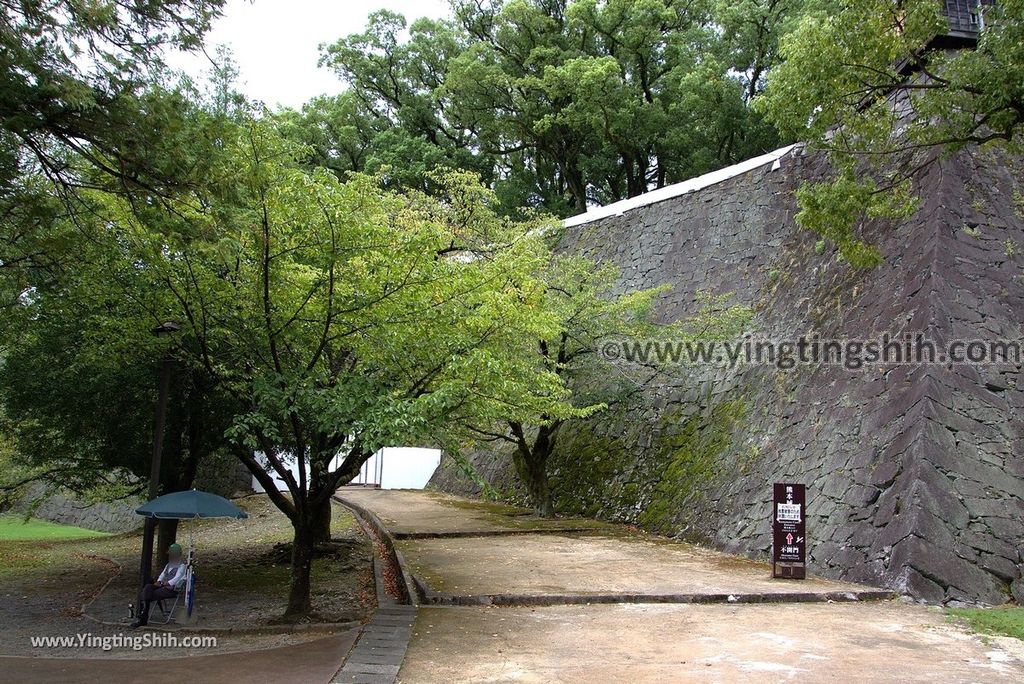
(1005, 620)
(14, 528)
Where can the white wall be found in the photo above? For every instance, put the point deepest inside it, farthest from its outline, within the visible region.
(394, 467)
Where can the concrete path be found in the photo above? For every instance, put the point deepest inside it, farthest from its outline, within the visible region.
(630, 643)
(462, 552)
(520, 601)
(410, 514)
(381, 647)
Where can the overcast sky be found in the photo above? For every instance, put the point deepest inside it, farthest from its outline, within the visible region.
(275, 42)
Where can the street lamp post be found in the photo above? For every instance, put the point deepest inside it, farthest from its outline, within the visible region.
(146, 564)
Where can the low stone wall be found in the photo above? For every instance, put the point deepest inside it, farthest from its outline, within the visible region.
(63, 507)
(222, 475)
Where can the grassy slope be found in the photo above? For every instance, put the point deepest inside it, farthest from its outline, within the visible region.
(14, 528)
(1005, 620)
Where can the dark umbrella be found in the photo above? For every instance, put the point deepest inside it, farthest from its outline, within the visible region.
(190, 504)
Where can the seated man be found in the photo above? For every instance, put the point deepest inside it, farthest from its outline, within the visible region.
(166, 585)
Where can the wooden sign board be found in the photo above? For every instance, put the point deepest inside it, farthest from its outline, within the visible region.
(789, 531)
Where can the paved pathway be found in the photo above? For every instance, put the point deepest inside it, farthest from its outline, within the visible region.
(381, 647)
(464, 553)
(313, 661)
(633, 643)
(529, 592)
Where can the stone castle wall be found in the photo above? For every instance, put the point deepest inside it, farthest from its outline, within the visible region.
(64, 507)
(915, 474)
(220, 474)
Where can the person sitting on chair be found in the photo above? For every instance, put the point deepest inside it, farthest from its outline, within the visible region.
(166, 585)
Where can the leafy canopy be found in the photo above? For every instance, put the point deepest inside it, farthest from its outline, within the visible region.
(868, 82)
(555, 104)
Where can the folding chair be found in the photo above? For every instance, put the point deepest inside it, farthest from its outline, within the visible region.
(188, 588)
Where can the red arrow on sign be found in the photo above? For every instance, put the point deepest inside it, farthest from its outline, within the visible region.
(789, 538)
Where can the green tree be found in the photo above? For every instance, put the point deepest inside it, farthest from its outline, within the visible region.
(337, 132)
(585, 300)
(81, 105)
(581, 298)
(565, 104)
(869, 84)
(394, 96)
(752, 30)
(14, 475)
(79, 403)
(74, 81)
(340, 317)
(78, 397)
(78, 377)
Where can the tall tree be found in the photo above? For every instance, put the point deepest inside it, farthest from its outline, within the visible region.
(72, 73)
(591, 312)
(565, 104)
(80, 105)
(752, 31)
(78, 375)
(581, 297)
(872, 84)
(342, 318)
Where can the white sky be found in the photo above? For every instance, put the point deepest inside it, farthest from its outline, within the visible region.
(275, 42)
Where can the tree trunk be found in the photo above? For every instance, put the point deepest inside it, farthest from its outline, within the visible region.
(167, 534)
(322, 522)
(531, 466)
(540, 491)
(299, 605)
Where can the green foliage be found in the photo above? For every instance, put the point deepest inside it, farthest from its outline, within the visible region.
(692, 460)
(586, 302)
(74, 79)
(80, 369)
(1004, 620)
(752, 30)
(582, 302)
(831, 209)
(13, 474)
(319, 318)
(362, 315)
(556, 104)
(864, 81)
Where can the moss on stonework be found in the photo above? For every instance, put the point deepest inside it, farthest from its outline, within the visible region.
(692, 461)
(600, 476)
(585, 475)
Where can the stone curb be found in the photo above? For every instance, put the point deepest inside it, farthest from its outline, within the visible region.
(438, 599)
(459, 534)
(369, 518)
(378, 653)
(383, 597)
